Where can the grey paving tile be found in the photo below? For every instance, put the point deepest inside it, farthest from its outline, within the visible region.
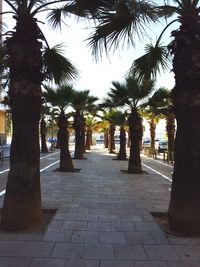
(82, 263)
(98, 251)
(55, 225)
(85, 237)
(87, 217)
(112, 237)
(131, 218)
(122, 226)
(188, 252)
(183, 264)
(118, 263)
(147, 226)
(36, 249)
(64, 236)
(182, 240)
(150, 264)
(139, 238)
(74, 225)
(130, 252)
(68, 251)
(98, 226)
(65, 216)
(98, 211)
(43, 262)
(161, 252)
(159, 237)
(11, 248)
(15, 262)
(109, 218)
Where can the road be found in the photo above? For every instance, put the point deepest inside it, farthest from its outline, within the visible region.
(51, 159)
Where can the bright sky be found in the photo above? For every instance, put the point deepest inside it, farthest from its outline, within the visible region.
(97, 76)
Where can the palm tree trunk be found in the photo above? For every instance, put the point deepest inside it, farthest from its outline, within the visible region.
(135, 128)
(183, 214)
(170, 128)
(22, 203)
(88, 138)
(78, 126)
(153, 135)
(66, 164)
(106, 141)
(43, 131)
(122, 148)
(111, 139)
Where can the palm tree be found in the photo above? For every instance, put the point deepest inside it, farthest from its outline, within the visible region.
(82, 103)
(61, 97)
(132, 94)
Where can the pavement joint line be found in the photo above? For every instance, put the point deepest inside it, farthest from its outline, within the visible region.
(164, 176)
(50, 165)
(49, 155)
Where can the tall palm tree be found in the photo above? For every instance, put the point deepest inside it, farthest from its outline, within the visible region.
(82, 103)
(61, 97)
(30, 62)
(132, 94)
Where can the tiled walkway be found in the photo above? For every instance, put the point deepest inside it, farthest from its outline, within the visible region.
(103, 220)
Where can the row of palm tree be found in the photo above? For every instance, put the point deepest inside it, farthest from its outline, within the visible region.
(29, 65)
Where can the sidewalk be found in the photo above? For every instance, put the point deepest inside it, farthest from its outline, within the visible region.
(103, 220)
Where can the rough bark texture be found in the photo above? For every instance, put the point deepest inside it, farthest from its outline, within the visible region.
(152, 134)
(88, 141)
(170, 128)
(135, 129)
(122, 148)
(184, 215)
(79, 132)
(111, 144)
(105, 139)
(43, 132)
(22, 203)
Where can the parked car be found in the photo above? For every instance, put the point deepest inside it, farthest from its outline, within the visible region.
(162, 146)
(146, 144)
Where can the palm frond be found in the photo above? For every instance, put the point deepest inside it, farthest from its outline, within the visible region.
(120, 24)
(156, 59)
(57, 66)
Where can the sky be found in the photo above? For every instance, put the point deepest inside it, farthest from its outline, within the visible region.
(97, 76)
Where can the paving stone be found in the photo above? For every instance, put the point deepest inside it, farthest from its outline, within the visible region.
(116, 263)
(66, 216)
(188, 252)
(87, 217)
(160, 252)
(98, 211)
(159, 237)
(109, 218)
(183, 264)
(11, 248)
(98, 226)
(130, 252)
(126, 226)
(58, 236)
(112, 237)
(131, 218)
(150, 264)
(147, 226)
(74, 225)
(36, 249)
(139, 238)
(85, 237)
(55, 225)
(68, 250)
(42, 262)
(82, 263)
(98, 251)
(15, 262)
(182, 240)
